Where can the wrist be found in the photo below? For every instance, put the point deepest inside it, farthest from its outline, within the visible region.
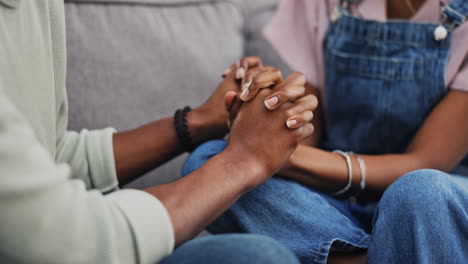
(204, 124)
(247, 170)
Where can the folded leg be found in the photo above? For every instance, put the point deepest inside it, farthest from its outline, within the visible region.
(307, 222)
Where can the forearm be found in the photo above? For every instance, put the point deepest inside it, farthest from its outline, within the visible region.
(328, 171)
(47, 217)
(219, 183)
(140, 150)
(143, 149)
(441, 143)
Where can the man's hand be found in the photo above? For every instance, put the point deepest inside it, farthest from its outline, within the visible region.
(261, 134)
(209, 121)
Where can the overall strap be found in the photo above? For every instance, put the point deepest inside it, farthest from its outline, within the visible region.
(455, 13)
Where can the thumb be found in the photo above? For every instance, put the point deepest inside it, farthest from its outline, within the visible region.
(229, 98)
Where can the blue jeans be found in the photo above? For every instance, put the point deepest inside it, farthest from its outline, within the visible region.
(232, 249)
(421, 218)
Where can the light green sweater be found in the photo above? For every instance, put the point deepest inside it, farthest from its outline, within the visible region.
(52, 181)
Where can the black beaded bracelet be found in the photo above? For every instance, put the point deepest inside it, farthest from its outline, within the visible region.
(181, 126)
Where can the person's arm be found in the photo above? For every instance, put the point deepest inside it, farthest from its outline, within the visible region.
(441, 143)
(251, 157)
(47, 217)
(140, 150)
(143, 149)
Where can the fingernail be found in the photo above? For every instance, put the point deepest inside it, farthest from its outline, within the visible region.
(244, 94)
(270, 103)
(240, 73)
(247, 85)
(291, 123)
(227, 71)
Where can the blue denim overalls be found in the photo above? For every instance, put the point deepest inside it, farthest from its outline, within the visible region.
(382, 81)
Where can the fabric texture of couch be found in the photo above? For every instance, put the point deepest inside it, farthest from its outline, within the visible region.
(131, 62)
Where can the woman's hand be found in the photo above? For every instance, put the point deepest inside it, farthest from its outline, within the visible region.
(261, 134)
(254, 80)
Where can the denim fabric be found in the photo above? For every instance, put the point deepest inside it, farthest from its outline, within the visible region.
(422, 217)
(232, 249)
(382, 81)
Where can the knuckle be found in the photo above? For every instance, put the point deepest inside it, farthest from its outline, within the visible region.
(255, 81)
(311, 101)
(282, 96)
(311, 130)
(301, 90)
(308, 115)
(285, 92)
(298, 133)
(264, 92)
(300, 120)
(278, 75)
(287, 106)
(314, 99)
(290, 112)
(299, 77)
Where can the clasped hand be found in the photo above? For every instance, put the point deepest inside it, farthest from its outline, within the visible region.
(268, 116)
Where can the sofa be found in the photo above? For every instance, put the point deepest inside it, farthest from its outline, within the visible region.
(131, 62)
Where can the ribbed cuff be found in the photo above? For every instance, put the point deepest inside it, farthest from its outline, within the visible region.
(150, 223)
(101, 160)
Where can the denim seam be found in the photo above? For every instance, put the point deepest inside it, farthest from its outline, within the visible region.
(323, 247)
(377, 40)
(418, 74)
(339, 27)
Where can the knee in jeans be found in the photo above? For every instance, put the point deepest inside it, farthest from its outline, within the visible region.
(418, 190)
(264, 249)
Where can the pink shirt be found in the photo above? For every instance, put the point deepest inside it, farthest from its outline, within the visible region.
(298, 29)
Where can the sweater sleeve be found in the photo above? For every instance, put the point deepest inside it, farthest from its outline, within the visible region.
(89, 153)
(47, 217)
(90, 156)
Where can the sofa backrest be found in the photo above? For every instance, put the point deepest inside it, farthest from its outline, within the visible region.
(131, 62)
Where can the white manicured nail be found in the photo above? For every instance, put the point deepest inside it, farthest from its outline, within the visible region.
(240, 73)
(291, 123)
(244, 94)
(247, 85)
(270, 103)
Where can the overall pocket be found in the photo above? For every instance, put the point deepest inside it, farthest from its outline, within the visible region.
(375, 104)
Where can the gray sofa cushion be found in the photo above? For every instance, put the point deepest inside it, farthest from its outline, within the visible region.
(134, 61)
